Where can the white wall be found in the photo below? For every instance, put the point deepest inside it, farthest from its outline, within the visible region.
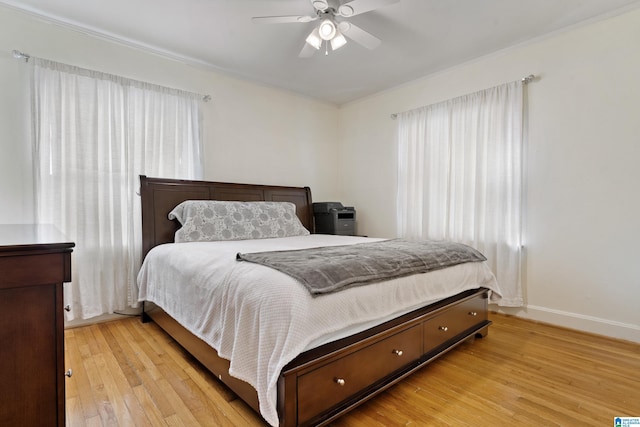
(272, 137)
(16, 178)
(252, 133)
(583, 202)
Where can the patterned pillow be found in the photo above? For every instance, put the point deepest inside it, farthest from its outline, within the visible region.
(212, 220)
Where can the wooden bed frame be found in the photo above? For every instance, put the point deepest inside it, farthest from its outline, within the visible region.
(325, 382)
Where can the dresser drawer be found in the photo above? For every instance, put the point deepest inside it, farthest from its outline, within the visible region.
(328, 385)
(33, 270)
(453, 321)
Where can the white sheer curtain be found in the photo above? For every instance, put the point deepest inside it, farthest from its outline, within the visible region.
(94, 134)
(460, 177)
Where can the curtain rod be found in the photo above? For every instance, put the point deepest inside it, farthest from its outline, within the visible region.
(525, 80)
(21, 55)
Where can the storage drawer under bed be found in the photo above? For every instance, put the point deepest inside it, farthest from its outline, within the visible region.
(453, 321)
(330, 384)
(341, 379)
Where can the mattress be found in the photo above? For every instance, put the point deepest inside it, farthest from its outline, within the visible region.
(260, 319)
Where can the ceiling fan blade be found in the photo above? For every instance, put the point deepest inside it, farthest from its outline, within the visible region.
(293, 19)
(359, 35)
(320, 5)
(356, 7)
(307, 51)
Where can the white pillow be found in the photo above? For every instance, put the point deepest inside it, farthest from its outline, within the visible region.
(213, 220)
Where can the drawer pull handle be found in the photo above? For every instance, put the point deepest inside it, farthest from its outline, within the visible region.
(68, 374)
(443, 328)
(67, 308)
(473, 313)
(340, 381)
(397, 352)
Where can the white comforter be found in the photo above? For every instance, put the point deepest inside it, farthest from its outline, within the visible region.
(261, 319)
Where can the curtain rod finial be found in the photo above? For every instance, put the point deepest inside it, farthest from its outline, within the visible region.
(19, 55)
(528, 79)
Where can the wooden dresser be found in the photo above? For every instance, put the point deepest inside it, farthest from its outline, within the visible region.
(34, 262)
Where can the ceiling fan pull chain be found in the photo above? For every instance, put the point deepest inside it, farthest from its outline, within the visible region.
(326, 48)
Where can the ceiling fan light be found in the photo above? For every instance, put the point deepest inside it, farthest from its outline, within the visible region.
(338, 41)
(327, 29)
(314, 39)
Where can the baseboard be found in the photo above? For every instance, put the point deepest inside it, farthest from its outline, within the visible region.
(75, 323)
(595, 325)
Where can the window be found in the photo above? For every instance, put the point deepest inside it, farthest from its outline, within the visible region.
(94, 134)
(460, 177)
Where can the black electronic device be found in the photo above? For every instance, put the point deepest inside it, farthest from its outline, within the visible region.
(333, 218)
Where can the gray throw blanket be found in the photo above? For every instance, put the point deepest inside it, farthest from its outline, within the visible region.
(333, 268)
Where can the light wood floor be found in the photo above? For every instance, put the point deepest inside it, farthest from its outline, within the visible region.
(126, 373)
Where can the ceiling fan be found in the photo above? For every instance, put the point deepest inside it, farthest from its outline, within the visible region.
(332, 28)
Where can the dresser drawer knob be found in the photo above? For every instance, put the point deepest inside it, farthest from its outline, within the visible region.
(397, 352)
(473, 313)
(340, 381)
(67, 308)
(69, 373)
(443, 328)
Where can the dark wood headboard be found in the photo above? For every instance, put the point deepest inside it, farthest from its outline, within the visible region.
(159, 196)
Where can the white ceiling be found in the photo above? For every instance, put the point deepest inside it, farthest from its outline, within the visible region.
(419, 37)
